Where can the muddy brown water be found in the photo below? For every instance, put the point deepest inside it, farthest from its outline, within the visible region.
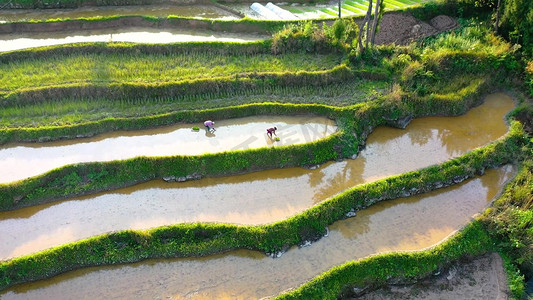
(271, 195)
(19, 161)
(160, 10)
(17, 41)
(404, 224)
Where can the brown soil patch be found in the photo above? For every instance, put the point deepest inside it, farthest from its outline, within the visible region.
(403, 28)
(482, 278)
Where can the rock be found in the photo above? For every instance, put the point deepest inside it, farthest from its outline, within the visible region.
(354, 156)
(169, 178)
(443, 23)
(405, 194)
(451, 274)
(357, 291)
(16, 199)
(415, 29)
(305, 244)
(459, 178)
(400, 122)
(277, 254)
(350, 214)
(312, 167)
(181, 179)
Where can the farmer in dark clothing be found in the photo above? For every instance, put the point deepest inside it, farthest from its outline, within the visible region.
(271, 131)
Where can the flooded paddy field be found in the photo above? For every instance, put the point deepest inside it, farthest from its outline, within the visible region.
(19, 161)
(159, 10)
(404, 224)
(271, 195)
(17, 41)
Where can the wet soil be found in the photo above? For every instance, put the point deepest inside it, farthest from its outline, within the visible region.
(481, 278)
(404, 224)
(159, 10)
(271, 195)
(19, 161)
(402, 28)
(9, 42)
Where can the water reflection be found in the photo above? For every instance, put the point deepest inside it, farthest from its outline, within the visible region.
(397, 225)
(19, 161)
(270, 195)
(159, 10)
(9, 42)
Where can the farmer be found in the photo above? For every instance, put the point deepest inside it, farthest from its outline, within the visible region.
(209, 125)
(271, 131)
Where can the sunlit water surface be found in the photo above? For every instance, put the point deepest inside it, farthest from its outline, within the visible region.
(19, 161)
(254, 198)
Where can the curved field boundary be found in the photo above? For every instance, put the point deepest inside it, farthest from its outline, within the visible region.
(475, 239)
(178, 89)
(215, 48)
(242, 25)
(354, 124)
(200, 239)
(379, 270)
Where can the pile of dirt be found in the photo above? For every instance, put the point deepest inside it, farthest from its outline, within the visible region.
(482, 278)
(402, 28)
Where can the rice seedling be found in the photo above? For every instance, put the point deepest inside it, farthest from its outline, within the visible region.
(72, 111)
(105, 67)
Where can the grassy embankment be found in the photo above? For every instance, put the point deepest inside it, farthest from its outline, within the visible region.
(202, 239)
(506, 228)
(428, 81)
(419, 90)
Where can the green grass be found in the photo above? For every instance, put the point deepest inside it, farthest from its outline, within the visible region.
(357, 5)
(204, 239)
(352, 9)
(376, 271)
(449, 74)
(107, 68)
(73, 111)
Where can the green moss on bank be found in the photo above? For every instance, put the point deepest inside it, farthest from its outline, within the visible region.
(203, 239)
(378, 270)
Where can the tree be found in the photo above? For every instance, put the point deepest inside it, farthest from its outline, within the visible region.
(362, 29)
(370, 36)
(378, 14)
(498, 9)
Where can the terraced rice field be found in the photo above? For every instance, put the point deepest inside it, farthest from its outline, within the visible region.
(348, 8)
(395, 155)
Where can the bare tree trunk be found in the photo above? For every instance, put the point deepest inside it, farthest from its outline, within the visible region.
(375, 23)
(339, 9)
(369, 14)
(361, 32)
(497, 16)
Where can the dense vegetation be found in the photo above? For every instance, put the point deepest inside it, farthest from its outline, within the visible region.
(443, 75)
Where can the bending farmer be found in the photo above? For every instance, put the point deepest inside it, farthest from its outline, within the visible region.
(209, 125)
(271, 131)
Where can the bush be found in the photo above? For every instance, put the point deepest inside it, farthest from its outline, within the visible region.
(303, 36)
